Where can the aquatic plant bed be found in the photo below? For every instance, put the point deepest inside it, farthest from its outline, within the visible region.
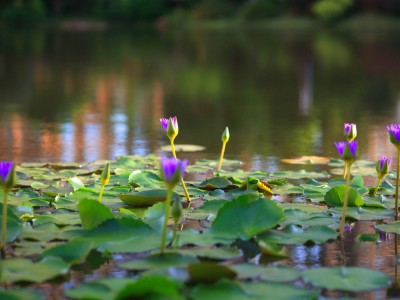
(232, 241)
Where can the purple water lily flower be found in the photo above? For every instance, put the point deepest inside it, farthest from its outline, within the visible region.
(164, 123)
(5, 168)
(347, 150)
(394, 133)
(383, 166)
(172, 169)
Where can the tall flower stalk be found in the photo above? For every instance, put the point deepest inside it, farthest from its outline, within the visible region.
(224, 138)
(171, 130)
(383, 166)
(104, 179)
(171, 171)
(348, 152)
(7, 181)
(394, 135)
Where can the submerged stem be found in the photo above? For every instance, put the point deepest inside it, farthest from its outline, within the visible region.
(221, 157)
(166, 217)
(182, 181)
(396, 206)
(346, 200)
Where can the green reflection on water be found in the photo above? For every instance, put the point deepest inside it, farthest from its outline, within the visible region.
(81, 95)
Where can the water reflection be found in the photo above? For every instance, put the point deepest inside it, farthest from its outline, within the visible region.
(82, 96)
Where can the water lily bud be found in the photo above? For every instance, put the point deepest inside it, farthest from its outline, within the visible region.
(383, 166)
(225, 135)
(176, 210)
(171, 171)
(7, 175)
(105, 175)
(170, 127)
(347, 150)
(350, 131)
(394, 134)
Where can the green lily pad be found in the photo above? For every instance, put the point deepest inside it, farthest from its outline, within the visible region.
(335, 197)
(258, 291)
(350, 279)
(20, 269)
(298, 236)
(368, 237)
(245, 216)
(20, 294)
(363, 213)
(271, 274)
(145, 179)
(159, 261)
(73, 252)
(151, 287)
(393, 227)
(207, 272)
(215, 183)
(146, 198)
(222, 289)
(93, 213)
(184, 148)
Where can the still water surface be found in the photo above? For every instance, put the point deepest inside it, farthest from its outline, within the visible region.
(82, 96)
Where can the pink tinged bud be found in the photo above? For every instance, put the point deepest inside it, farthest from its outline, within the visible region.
(350, 131)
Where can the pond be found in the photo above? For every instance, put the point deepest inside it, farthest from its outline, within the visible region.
(81, 96)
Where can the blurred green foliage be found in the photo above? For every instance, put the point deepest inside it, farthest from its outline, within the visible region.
(187, 10)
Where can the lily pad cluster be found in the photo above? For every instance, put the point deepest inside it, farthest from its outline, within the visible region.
(57, 226)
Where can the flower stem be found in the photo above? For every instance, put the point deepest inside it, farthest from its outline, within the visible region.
(377, 186)
(396, 205)
(346, 200)
(221, 157)
(166, 217)
(345, 170)
(4, 225)
(182, 181)
(101, 192)
(175, 232)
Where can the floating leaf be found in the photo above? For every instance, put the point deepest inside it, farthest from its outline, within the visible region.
(363, 213)
(184, 148)
(73, 252)
(393, 227)
(368, 237)
(222, 289)
(151, 287)
(296, 235)
(76, 183)
(272, 274)
(159, 261)
(215, 183)
(93, 213)
(247, 215)
(346, 278)
(145, 179)
(335, 197)
(146, 198)
(303, 160)
(207, 272)
(20, 269)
